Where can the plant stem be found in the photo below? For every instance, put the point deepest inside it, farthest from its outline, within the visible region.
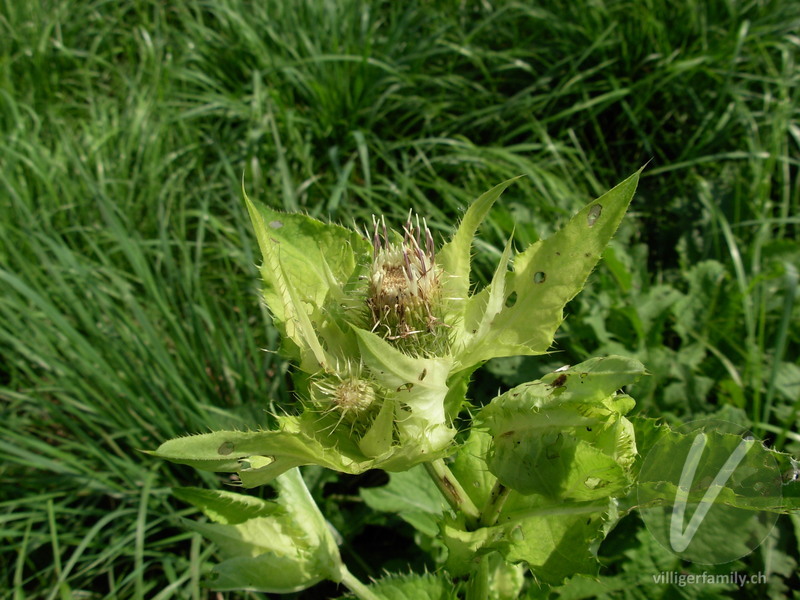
(451, 489)
(360, 590)
(494, 504)
(478, 585)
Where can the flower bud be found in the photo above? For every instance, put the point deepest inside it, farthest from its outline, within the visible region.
(404, 296)
(350, 396)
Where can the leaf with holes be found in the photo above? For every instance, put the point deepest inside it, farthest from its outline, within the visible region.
(520, 311)
(565, 436)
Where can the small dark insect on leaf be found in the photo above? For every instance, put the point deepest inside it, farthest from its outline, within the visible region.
(790, 476)
(559, 381)
(422, 375)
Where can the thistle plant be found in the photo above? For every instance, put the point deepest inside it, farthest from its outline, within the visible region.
(384, 331)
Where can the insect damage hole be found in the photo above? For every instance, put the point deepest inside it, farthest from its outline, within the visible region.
(539, 277)
(593, 215)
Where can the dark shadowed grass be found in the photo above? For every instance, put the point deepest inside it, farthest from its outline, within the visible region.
(129, 310)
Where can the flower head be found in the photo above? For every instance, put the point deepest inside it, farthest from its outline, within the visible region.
(405, 293)
(350, 397)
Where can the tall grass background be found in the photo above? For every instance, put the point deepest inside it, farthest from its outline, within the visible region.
(129, 303)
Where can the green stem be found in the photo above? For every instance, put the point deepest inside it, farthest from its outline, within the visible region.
(494, 504)
(451, 489)
(478, 586)
(360, 590)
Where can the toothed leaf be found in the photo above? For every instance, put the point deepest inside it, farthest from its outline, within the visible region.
(454, 257)
(280, 546)
(565, 436)
(546, 276)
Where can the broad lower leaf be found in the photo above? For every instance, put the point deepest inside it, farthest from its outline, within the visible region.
(280, 546)
(560, 449)
(429, 586)
(411, 495)
(555, 539)
(565, 436)
(763, 480)
(697, 484)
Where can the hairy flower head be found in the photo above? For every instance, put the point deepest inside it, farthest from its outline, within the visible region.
(404, 294)
(350, 396)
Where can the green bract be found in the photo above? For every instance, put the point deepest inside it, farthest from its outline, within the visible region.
(385, 333)
(565, 436)
(281, 547)
(559, 452)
